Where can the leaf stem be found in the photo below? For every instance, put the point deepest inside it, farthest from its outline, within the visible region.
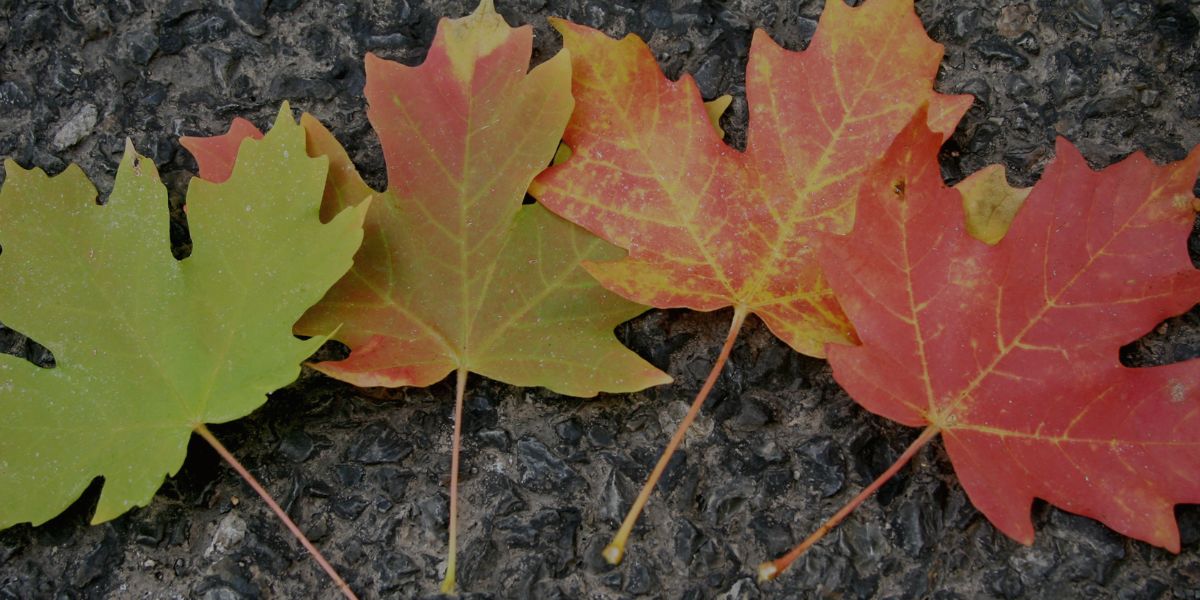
(203, 432)
(460, 388)
(615, 551)
(771, 569)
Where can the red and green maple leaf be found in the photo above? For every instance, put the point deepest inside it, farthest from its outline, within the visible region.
(455, 274)
(1011, 352)
(707, 226)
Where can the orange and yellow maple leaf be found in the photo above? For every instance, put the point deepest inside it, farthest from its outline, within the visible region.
(707, 226)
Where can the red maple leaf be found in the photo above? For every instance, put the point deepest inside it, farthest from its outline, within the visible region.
(1010, 352)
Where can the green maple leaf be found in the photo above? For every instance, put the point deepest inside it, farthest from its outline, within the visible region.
(147, 348)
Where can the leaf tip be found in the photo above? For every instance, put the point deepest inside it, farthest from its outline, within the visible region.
(559, 24)
(284, 116)
(761, 37)
(485, 8)
(1066, 151)
(138, 164)
(570, 30)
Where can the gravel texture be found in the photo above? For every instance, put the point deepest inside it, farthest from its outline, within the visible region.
(546, 479)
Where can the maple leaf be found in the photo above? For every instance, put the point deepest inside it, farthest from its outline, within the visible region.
(524, 311)
(149, 349)
(454, 274)
(707, 226)
(1011, 352)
